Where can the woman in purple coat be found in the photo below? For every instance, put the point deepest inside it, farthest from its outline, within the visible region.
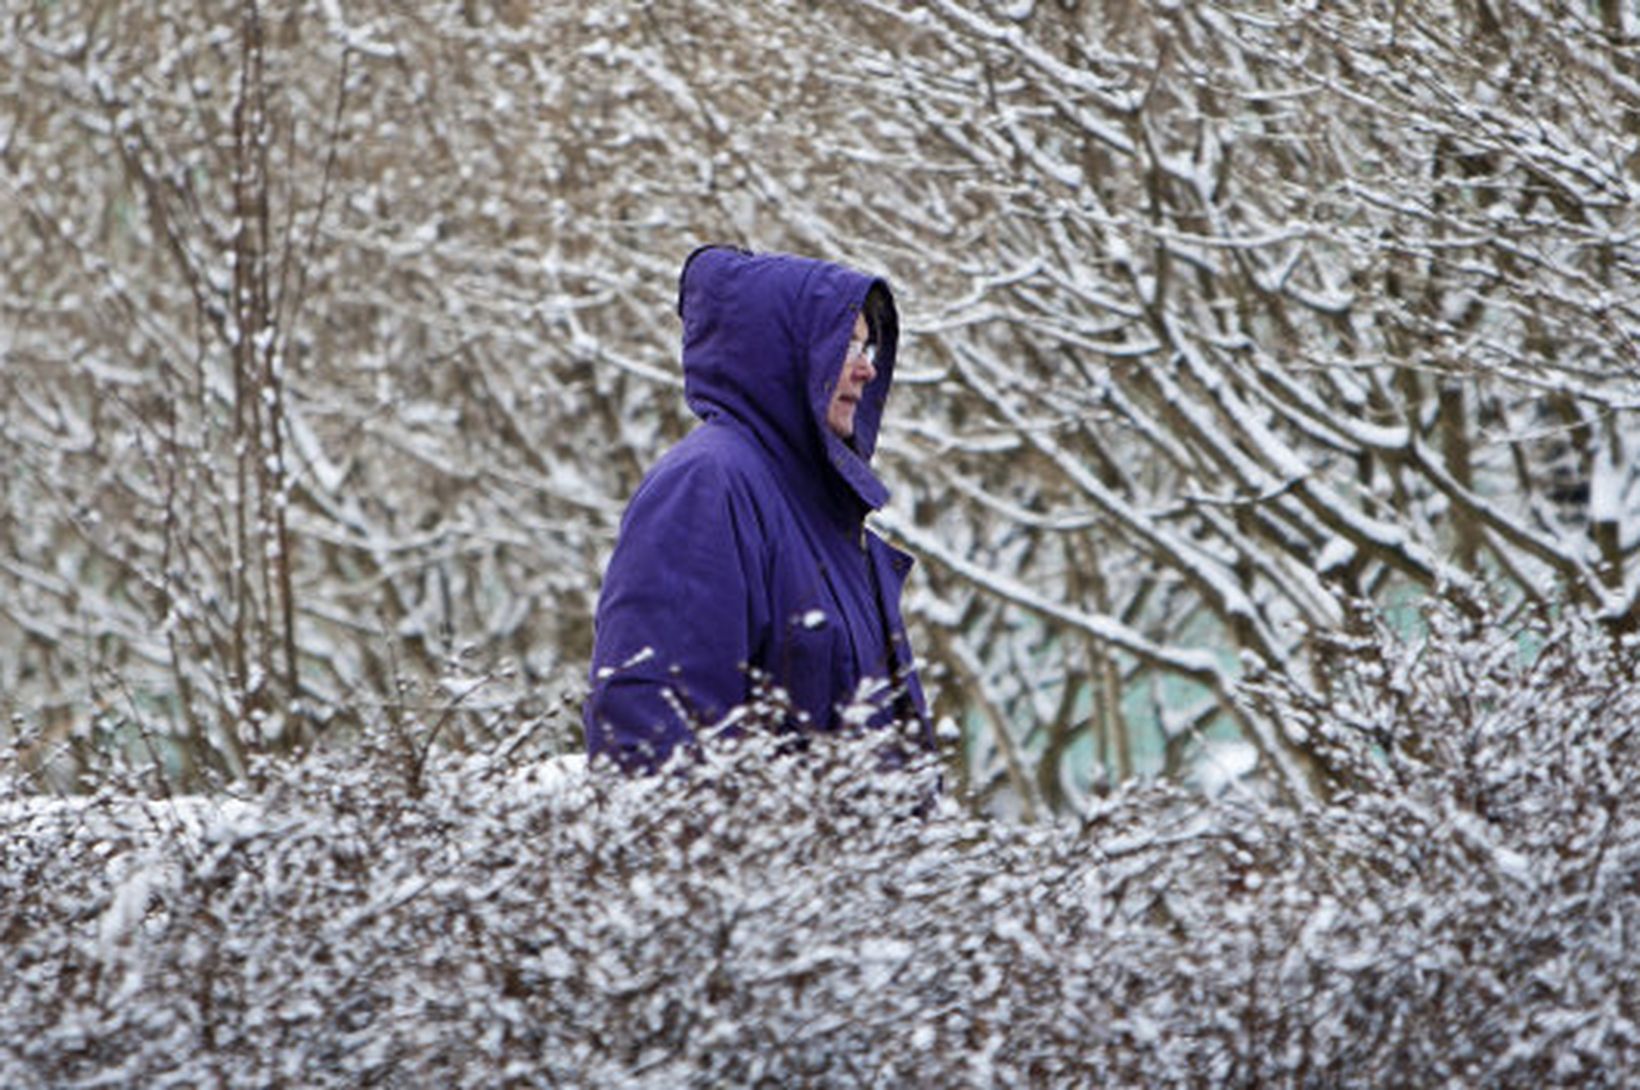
(743, 556)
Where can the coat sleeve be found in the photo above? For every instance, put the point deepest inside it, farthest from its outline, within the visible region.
(679, 616)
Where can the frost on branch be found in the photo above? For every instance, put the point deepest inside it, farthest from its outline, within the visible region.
(332, 342)
(1456, 913)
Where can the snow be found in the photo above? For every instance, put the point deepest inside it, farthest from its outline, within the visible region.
(1225, 333)
(1220, 765)
(1336, 553)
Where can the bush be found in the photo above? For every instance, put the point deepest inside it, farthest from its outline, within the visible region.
(1458, 912)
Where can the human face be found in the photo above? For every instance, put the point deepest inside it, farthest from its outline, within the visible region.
(858, 371)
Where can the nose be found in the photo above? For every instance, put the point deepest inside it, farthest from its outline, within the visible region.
(864, 369)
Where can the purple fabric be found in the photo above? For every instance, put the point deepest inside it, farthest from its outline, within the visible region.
(744, 547)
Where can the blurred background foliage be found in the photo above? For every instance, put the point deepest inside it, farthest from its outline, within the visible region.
(334, 336)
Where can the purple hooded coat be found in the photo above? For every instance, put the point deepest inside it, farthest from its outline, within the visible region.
(744, 549)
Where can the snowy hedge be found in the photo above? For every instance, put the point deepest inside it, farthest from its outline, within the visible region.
(1459, 910)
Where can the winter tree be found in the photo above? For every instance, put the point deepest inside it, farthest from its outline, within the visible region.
(335, 337)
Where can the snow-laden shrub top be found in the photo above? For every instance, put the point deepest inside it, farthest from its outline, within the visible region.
(1459, 913)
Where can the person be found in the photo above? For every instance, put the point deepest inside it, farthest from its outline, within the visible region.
(743, 559)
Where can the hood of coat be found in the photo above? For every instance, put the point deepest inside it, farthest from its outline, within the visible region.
(764, 340)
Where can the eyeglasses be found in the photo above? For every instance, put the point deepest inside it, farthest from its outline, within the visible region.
(864, 349)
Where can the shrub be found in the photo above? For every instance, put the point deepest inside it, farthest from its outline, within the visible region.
(1458, 911)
